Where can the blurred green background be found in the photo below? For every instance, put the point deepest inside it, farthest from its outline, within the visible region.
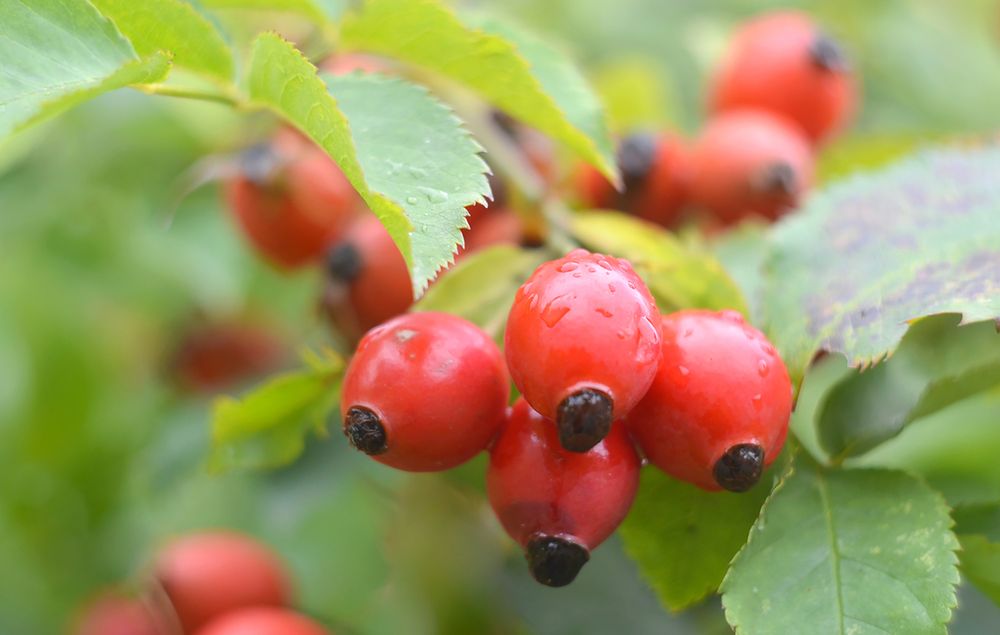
(102, 265)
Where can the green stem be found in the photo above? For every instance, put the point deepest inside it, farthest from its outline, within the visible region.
(190, 93)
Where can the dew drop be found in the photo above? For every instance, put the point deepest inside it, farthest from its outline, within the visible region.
(732, 316)
(554, 311)
(688, 332)
(684, 370)
(604, 264)
(648, 342)
(577, 274)
(566, 267)
(591, 269)
(611, 287)
(767, 348)
(758, 402)
(605, 312)
(412, 200)
(621, 334)
(533, 302)
(631, 285)
(762, 368)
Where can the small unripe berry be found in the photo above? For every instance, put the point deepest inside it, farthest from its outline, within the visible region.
(424, 392)
(208, 574)
(558, 505)
(749, 163)
(583, 343)
(783, 62)
(717, 412)
(263, 621)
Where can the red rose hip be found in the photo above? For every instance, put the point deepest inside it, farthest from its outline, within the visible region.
(208, 574)
(784, 63)
(748, 163)
(263, 621)
(424, 392)
(558, 505)
(583, 343)
(113, 613)
(717, 412)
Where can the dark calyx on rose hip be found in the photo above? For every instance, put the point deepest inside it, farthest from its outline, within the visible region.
(827, 54)
(740, 467)
(636, 156)
(584, 419)
(555, 561)
(260, 164)
(365, 432)
(777, 178)
(343, 262)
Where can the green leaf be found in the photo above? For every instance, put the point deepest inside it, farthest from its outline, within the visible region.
(518, 73)
(955, 450)
(404, 152)
(980, 563)
(845, 157)
(481, 287)
(635, 95)
(54, 55)
(742, 251)
(175, 27)
(267, 427)
(318, 11)
(978, 518)
(678, 276)
(872, 253)
(682, 538)
(936, 365)
(850, 551)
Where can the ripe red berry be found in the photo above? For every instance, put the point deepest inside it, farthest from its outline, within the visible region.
(211, 357)
(749, 163)
(371, 282)
(424, 392)
(291, 200)
(263, 621)
(353, 63)
(208, 574)
(116, 614)
(717, 412)
(656, 173)
(490, 227)
(784, 63)
(583, 343)
(558, 505)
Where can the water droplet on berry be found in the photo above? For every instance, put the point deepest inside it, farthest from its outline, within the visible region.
(688, 332)
(604, 264)
(554, 311)
(732, 316)
(683, 370)
(566, 267)
(591, 269)
(767, 348)
(577, 274)
(611, 288)
(605, 312)
(621, 334)
(649, 342)
(533, 302)
(758, 402)
(631, 285)
(763, 368)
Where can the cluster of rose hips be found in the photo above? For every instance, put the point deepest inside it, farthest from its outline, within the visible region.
(783, 89)
(206, 583)
(701, 395)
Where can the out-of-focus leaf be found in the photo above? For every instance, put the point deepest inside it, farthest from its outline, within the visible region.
(864, 153)
(742, 252)
(267, 427)
(870, 254)
(937, 364)
(682, 538)
(635, 95)
(678, 276)
(481, 287)
(175, 27)
(848, 551)
(54, 55)
(518, 73)
(980, 563)
(955, 449)
(821, 377)
(978, 518)
(403, 151)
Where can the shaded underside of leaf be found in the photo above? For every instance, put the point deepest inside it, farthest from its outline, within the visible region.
(682, 538)
(855, 551)
(528, 79)
(315, 10)
(679, 277)
(980, 563)
(481, 287)
(54, 55)
(174, 26)
(874, 252)
(937, 363)
(267, 427)
(404, 152)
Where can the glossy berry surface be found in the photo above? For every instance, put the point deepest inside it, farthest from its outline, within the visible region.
(370, 282)
(263, 621)
(717, 412)
(583, 343)
(783, 62)
(208, 574)
(656, 173)
(749, 163)
(115, 614)
(424, 392)
(291, 200)
(558, 505)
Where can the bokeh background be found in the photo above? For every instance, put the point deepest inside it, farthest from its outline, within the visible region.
(104, 267)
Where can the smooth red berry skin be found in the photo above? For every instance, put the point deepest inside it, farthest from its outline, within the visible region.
(538, 489)
(116, 614)
(749, 163)
(376, 288)
(436, 384)
(721, 384)
(658, 194)
(782, 62)
(583, 321)
(212, 357)
(263, 621)
(489, 228)
(208, 574)
(303, 202)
